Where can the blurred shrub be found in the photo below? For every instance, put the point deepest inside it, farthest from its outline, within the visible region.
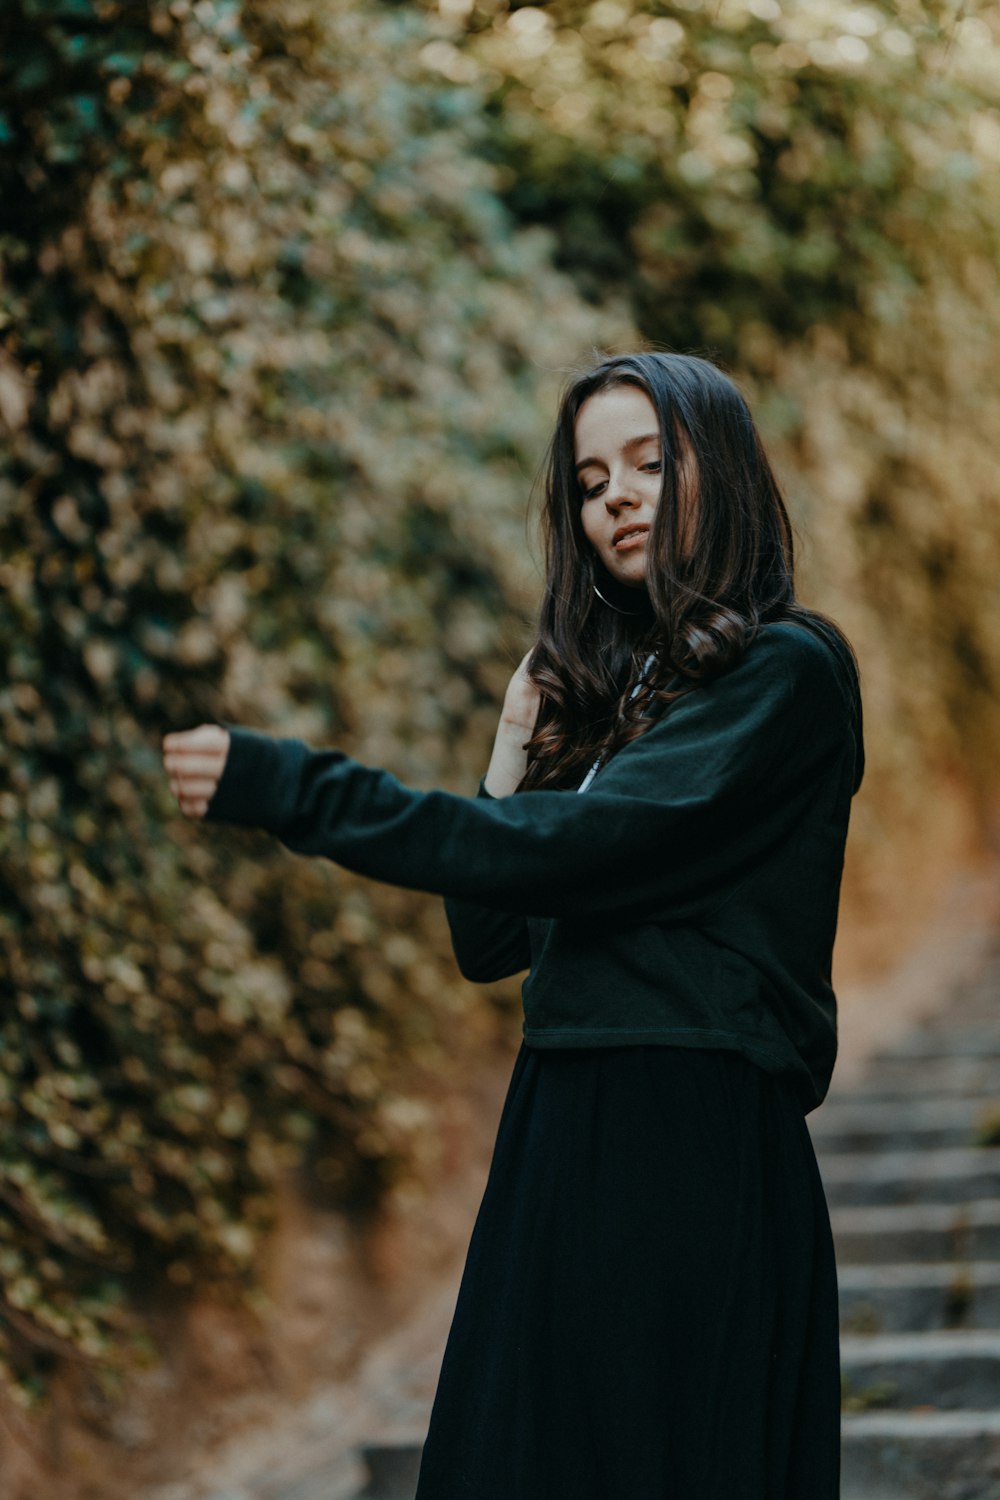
(271, 381)
(287, 293)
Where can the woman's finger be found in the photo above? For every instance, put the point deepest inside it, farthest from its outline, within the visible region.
(197, 786)
(193, 765)
(205, 737)
(194, 807)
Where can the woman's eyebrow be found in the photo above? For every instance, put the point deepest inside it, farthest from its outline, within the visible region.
(635, 442)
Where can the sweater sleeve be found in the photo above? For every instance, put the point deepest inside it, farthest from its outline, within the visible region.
(488, 944)
(676, 819)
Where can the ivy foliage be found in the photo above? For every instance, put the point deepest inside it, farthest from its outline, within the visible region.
(270, 378)
(739, 163)
(287, 293)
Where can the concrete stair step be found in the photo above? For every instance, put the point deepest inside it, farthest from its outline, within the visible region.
(917, 1232)
(851, 1125)
(392, 1471)
(944, 1369)
(948, 1175)
(933, 1455)
(927, 1077)
(919, 1297)
(955, 1038)
(886, 1455)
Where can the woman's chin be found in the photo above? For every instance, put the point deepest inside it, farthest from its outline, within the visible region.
(630, 577)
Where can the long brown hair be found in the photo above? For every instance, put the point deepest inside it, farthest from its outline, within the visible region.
(702, 604)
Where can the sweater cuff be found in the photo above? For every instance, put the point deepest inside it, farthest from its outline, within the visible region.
(484, 793)
(259, 781)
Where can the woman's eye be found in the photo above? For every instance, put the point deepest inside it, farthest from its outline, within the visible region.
(589, 494)
(655, 464)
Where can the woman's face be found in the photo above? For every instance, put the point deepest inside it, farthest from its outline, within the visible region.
(619, 469)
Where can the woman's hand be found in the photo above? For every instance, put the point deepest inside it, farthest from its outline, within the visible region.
(517, 724)
(520, 704)
(194, 760)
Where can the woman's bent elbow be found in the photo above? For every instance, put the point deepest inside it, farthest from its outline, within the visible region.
(479, 968)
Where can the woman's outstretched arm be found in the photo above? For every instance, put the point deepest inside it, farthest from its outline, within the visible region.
(669, 826)
(489, 944)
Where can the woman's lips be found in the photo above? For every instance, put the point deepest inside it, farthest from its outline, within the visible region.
(632, 540)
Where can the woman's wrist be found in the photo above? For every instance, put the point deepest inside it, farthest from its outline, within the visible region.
(509, 759)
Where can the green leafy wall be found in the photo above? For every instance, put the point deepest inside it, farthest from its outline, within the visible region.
(271, 378)
(288, 290)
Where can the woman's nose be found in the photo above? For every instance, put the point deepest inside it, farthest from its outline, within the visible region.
(618, 497)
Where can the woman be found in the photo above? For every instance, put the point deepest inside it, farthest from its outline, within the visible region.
(649, 1304)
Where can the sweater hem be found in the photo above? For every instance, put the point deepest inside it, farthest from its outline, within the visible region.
(809, 1091)
(668, 1036)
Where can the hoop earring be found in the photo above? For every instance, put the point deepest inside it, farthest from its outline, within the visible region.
(617, 608)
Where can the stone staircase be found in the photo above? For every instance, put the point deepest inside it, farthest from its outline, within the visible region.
(910, 1157)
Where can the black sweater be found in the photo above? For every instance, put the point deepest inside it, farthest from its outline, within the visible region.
(688, 898)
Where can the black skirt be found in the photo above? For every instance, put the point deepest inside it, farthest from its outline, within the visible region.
(648, 1309)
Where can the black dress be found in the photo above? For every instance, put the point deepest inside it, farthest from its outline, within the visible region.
(648, 1309)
